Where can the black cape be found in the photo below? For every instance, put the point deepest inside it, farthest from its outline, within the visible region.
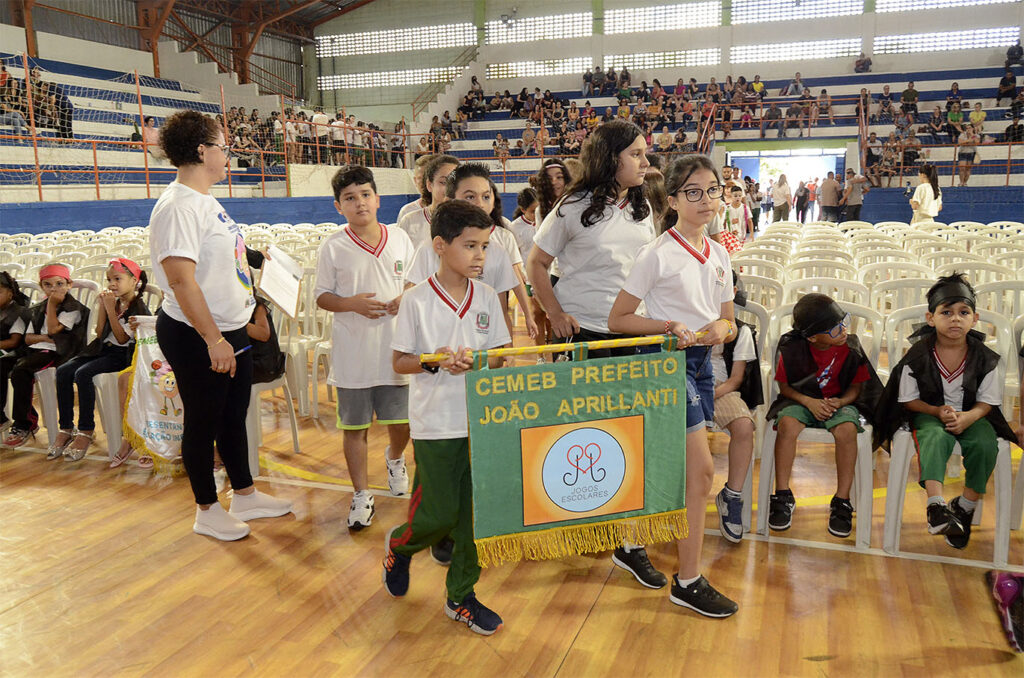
(68, 341)
(750, 389)
(8, 316)
(801, 371)
(980, 361)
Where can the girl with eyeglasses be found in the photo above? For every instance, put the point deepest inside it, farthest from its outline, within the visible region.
(684, 279)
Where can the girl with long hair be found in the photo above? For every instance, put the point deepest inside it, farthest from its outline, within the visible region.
(927, 200)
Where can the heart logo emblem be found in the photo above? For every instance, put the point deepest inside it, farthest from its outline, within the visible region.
(592, 452)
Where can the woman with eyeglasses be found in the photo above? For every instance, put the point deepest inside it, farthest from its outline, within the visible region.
(200, 260)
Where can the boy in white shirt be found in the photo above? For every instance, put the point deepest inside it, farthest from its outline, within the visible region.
(435, 177)
(361, 276)
(451, 314)
(737, 220)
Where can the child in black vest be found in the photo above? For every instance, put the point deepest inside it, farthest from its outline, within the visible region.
(825, 381)
(947, 389)
(53, 333)
(13, 309)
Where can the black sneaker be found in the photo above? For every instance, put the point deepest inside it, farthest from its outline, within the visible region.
(441, 552)
(701, 597)
(396, 568)
(840, 517)
(474, 614)
(639, 565)
(943, 521)
(959, 541)
(780, 511)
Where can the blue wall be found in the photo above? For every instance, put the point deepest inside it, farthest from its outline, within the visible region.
(973, 203)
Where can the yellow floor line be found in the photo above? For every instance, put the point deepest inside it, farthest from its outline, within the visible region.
(272, 465)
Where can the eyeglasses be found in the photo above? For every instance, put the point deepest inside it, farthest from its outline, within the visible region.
(225, 148)
(696, 194)
(838, 330)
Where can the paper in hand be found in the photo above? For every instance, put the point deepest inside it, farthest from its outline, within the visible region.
(280, 280)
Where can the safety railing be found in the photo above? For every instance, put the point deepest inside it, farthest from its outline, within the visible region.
(949, 160)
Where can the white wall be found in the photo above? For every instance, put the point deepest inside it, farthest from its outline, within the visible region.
(315, 180)
(75, 51)
(186, 67)
(12, 38)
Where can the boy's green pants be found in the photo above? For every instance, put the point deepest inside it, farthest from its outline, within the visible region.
(934, 445)
(442, 505)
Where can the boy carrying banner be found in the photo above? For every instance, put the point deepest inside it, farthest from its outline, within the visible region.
(453, 314)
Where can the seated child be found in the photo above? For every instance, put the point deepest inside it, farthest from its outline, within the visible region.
(947, 389)
(443, 315)
(737, 373)
(111, 351)
(825, 381)
(13, 308)
(53, 333)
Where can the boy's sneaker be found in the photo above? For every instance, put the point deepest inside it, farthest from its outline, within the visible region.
(780, 511)
(730, 516)
(398, 476)
(636, 562)
(17, 437)
(943, 521)
(701, 597)
(473, 614)
(360, 512)
(840, 518)
(396, 568)
(959, 541)
(441, 552)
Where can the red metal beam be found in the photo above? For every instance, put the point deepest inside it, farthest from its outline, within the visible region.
(200, 43)
(262, 25)
(345, 10)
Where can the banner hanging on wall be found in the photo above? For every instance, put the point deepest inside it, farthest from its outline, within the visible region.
(576, 457)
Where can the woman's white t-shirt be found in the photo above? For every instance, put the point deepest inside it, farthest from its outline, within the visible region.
(593, 261)
(924, 195)
(781, 194)
(193, 225)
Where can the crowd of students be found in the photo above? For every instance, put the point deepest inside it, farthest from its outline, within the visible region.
(595, 238)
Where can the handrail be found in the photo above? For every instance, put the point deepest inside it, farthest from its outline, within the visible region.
(427, 95)
(706, 134)
(288, 86)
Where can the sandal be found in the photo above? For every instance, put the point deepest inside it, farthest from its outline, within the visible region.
(56, 450)
(77, 454)
(146, 462)
(123, 455)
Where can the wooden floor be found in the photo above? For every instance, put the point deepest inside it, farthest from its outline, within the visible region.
(101, 575)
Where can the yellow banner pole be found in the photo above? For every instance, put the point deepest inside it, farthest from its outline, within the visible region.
(559, 348)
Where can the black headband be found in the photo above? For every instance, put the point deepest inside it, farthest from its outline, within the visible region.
(827, 318)
(950, 293)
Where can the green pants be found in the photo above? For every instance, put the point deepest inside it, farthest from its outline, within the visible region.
(934, 445)
(442, 505)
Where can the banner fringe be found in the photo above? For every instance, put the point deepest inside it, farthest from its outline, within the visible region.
(560, 542)
(161, 466)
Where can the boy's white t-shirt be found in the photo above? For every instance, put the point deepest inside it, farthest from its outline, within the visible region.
(67, 319)
(498, 272)
(416, 225)
(742, 352)
(680, 283)
(990, 391)
(524, 232)
(193, 225)
(409, 207)
(427, 320)
(347, 266)
(736, 219)
(594, 261)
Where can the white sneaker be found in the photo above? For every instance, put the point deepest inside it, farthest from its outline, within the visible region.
(258, 505)
(220, 478)
(360, 513)
(398, 476)
(217, 523)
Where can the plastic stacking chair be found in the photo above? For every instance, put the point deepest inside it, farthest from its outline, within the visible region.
(821, 269)
(978, 272)
(322, 356)
(843, 291)
(759, 267)
(253, 429)
(108, 404)
(764, 291)
(873, 274)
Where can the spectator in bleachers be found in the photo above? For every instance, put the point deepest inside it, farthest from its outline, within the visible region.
(1014, 131)
(795, 87)
(968, 152)
(624, 77)
(828, 198)
(904, 122)
(758, 86)
(885, 109)
(53, 332)
(911, 151)
(588, 84)
(864, 102)
(519, 105)
(611, 81)
(423, 147)
(320, 126)
(1017, 105)
(1015, 55)
(713, 92)
(14, 307)
(666, 141)
(244, 148)
(1007, 88)
(598, 81)
(529, 136)
(955, 123)
(953, 96)
(781, 198)
(853, 195)
(9, 115)
(644, 92)
(978, 117)
(935, 126)
(5, 77)
(772, 118)
(807, 103)
(909, 99)
(474, 85)
(862, 64)
(794, 117)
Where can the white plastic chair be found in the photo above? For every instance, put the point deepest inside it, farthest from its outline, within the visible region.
(873, 240)
(764, 254)
(1011, 260)
(1005, 297)
(891, 225)
(821, 255)
(853, 224)
(322, 356)
(108, 404)
(821, 269)
(978, 272)
(94, 272)
(296, 348)
(841, 291)
(758, 316)
(993, 248)
(891, 295)
(864, 256)
(873, 274)
(253, 429)
(759, 267)
(764, 291)
(153, 297)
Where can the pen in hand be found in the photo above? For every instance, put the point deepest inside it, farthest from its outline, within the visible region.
(243, 350)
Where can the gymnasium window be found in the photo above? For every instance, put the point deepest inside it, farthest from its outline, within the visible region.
(663, 18)
(419, 76)
(795, 51)
(531, 69)
(396, 40)
(760, 11)
(950, 40)
(690, 57)
(527, 29)
(910, 5)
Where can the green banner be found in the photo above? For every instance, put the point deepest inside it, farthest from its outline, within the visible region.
(575, 457)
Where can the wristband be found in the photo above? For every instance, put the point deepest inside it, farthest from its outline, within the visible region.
(432, 369)
(668, 327)
(211, 346)
(731, 326)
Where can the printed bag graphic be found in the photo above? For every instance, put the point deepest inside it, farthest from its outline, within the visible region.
(152, 418)
(575, 457)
